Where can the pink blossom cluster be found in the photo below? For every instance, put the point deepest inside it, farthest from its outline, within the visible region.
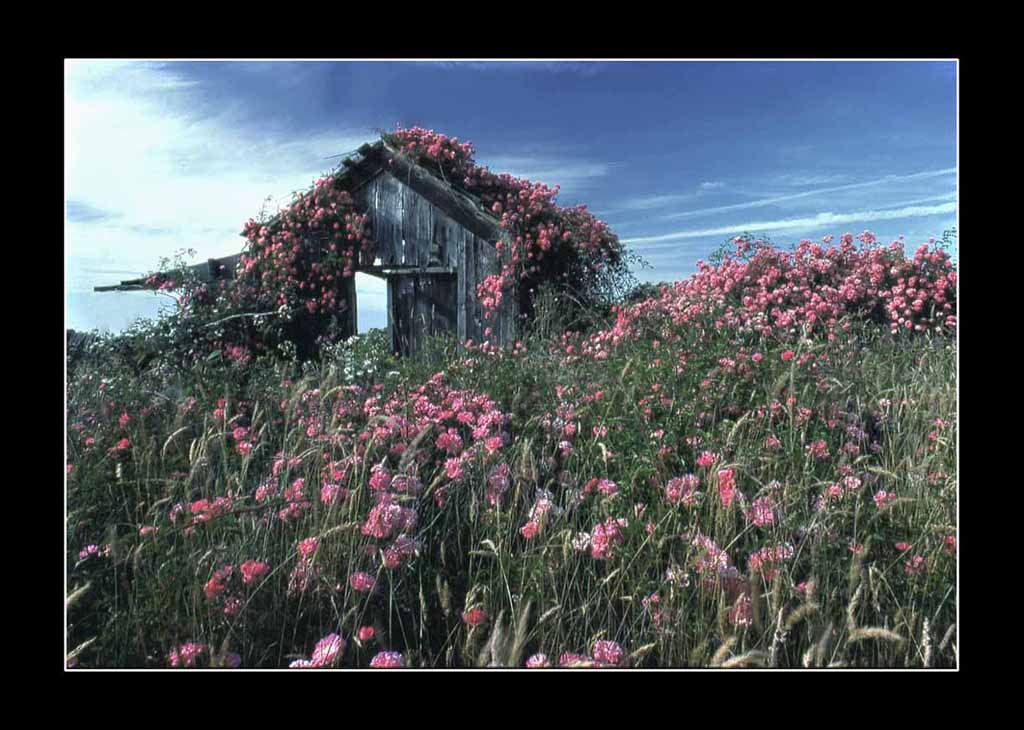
(388, 660)
(92, 551)
(299, 258)
(216, 586)
(401, 549)
(186, 654)
(296, 501)
(883, 499)
(606, 537)
(474, 616)
(538, 515)
(726, 486)
(714, 566)
(387, 517)
(326, 653)
(243, 440)
(682, 490)
(545, 239)
(771, 292)
(362, 582)
(203, 510)
(762, 512)
(766, 559)
(604, 655)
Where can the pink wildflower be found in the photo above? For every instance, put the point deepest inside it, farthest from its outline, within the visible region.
(327, 651)
(726, 486)
(474, 617)
(186, 654)
(608, 653)
(762, 513)
(682, 490)
(362, 582)
(308, 546)
(915, 565)
(606, 537)
(388, 660)
(706, 459)
(569, 659)
(253, 570)
(884, 499)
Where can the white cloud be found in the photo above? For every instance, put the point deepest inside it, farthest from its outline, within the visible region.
(821, 220)
(159, 169)
(711, 185)
(146, 176)
(888, 179)
(570, 175)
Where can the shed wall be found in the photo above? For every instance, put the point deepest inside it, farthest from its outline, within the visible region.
(410, 231)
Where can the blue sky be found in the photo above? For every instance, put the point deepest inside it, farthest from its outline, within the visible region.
(676, 156)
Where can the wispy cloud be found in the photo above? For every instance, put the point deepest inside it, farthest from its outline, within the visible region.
(149, 172)
(653, 202)
(799, 180)
(174, 174)
(888, 179)
(571, 175)
(80, 212)
(821, 220)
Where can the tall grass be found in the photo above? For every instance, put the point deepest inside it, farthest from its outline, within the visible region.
(642, 413)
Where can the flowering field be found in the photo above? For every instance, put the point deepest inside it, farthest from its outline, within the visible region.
(755, 468)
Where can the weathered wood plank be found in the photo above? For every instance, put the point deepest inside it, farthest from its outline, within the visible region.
(458, 257)
(469, 267)
(407, 305)
(351, 302)
(399, 270)
(392, 326)
(386, 218)
(455, 203)
(417, 228)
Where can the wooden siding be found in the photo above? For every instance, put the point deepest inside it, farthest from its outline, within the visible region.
(410, 231)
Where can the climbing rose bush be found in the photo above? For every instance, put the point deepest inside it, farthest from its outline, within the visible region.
(290, 283)
(761, 290)
(547, 243)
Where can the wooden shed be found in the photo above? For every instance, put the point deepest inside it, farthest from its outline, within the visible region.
(434, 244)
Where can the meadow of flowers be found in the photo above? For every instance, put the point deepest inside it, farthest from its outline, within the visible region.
(755, 468)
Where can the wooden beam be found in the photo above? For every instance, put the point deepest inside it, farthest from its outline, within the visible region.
(396, 270)
(454, 203)
(350, 298)
(123, 287)
(210, 270)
